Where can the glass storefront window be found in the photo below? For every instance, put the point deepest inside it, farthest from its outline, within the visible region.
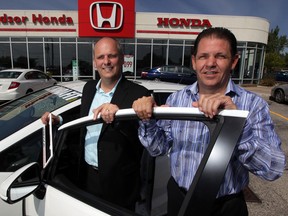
(35, 39)
(68, 54)
(85, 59)
(258, 63)
(249, 63)
(19, 52)
(5, 56)
(159, 52)
(236, 73)
(143, 58)
(18, 39)
(176, 42)
(175, 54)
(144, 41)
(52, 58)
(187, 54)
(87, 40)
(36, 57)
(68, 39)
(51, 39)
(6, 39)
(149, 53)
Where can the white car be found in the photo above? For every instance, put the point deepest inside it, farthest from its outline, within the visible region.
(56, 189)
(41, 177)
(22, 130)
(15, 83)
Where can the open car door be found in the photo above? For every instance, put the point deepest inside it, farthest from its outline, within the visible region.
(57, 193)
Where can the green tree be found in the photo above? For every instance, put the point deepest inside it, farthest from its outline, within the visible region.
(275, 51)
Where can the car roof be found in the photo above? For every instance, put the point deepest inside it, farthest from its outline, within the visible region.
(20, 70)
(159, 86)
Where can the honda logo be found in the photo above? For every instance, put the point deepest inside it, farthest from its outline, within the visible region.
(105, 12)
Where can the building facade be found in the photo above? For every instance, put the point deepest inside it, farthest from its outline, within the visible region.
(61, 42)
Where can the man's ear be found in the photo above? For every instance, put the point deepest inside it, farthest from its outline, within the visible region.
(235, 61)
(193, 60)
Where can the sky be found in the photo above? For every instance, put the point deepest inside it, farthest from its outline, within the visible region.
(275, 11)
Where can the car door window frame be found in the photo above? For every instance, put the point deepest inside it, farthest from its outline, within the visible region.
(215, 126)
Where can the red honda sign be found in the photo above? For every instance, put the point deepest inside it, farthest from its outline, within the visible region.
(98, 18)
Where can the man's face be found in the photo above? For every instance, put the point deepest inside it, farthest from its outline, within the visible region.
(107, 60)
(213, 64)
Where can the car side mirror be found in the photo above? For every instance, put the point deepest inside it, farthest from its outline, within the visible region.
(21, 183)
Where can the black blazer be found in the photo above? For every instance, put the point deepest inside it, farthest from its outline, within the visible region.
(119, 149)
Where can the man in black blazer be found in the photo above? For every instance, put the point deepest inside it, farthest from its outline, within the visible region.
(112, 152)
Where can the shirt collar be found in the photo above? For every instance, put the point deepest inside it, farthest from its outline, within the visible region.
(231, 89)
(111, 92)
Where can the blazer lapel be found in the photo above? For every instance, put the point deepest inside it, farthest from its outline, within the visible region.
(120, 93)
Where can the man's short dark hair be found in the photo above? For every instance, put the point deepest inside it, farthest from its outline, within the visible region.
(217, 32)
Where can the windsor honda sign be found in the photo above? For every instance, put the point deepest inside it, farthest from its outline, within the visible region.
(36, 19)
(99, 18)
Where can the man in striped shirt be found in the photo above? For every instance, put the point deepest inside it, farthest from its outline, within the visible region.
(258, 149)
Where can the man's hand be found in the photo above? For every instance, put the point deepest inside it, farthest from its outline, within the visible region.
(211, 104)
(45, 119)
(107, 112)
(144, 107)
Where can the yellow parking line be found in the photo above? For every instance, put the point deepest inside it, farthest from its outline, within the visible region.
(277, 114)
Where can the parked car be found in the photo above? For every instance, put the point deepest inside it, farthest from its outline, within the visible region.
(55, 189)
(282, 76)
(279, 93)
(171, 73)
(15, 83)
(21, 137)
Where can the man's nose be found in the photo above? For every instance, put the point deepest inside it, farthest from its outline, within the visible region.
(106, 59)
(211, 61)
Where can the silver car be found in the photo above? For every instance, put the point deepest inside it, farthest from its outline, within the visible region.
(279, 93)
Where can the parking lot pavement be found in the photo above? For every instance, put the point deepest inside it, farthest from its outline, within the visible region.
(273, 195)
(263, 91)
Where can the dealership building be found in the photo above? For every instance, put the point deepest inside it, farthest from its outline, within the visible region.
(61, 42)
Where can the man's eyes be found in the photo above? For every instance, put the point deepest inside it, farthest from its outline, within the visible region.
(218, 56)
(111, 56)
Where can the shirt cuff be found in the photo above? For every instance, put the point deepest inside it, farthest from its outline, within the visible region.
(60, 120)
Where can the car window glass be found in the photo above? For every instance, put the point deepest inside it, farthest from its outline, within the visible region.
(23, 111)
(27, 150)
(67, 173)
(41, 75)
(185, 70)
(171, 69)
(10, 74)
(161, 69)
(29, 75)
(160, 97)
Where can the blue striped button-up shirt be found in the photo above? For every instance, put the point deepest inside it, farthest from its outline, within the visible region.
(258, 149)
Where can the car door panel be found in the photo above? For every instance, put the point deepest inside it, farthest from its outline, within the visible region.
(56, 202)
(10, 210)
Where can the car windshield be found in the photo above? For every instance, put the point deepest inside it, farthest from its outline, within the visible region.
(10, 74)
(23, 111)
